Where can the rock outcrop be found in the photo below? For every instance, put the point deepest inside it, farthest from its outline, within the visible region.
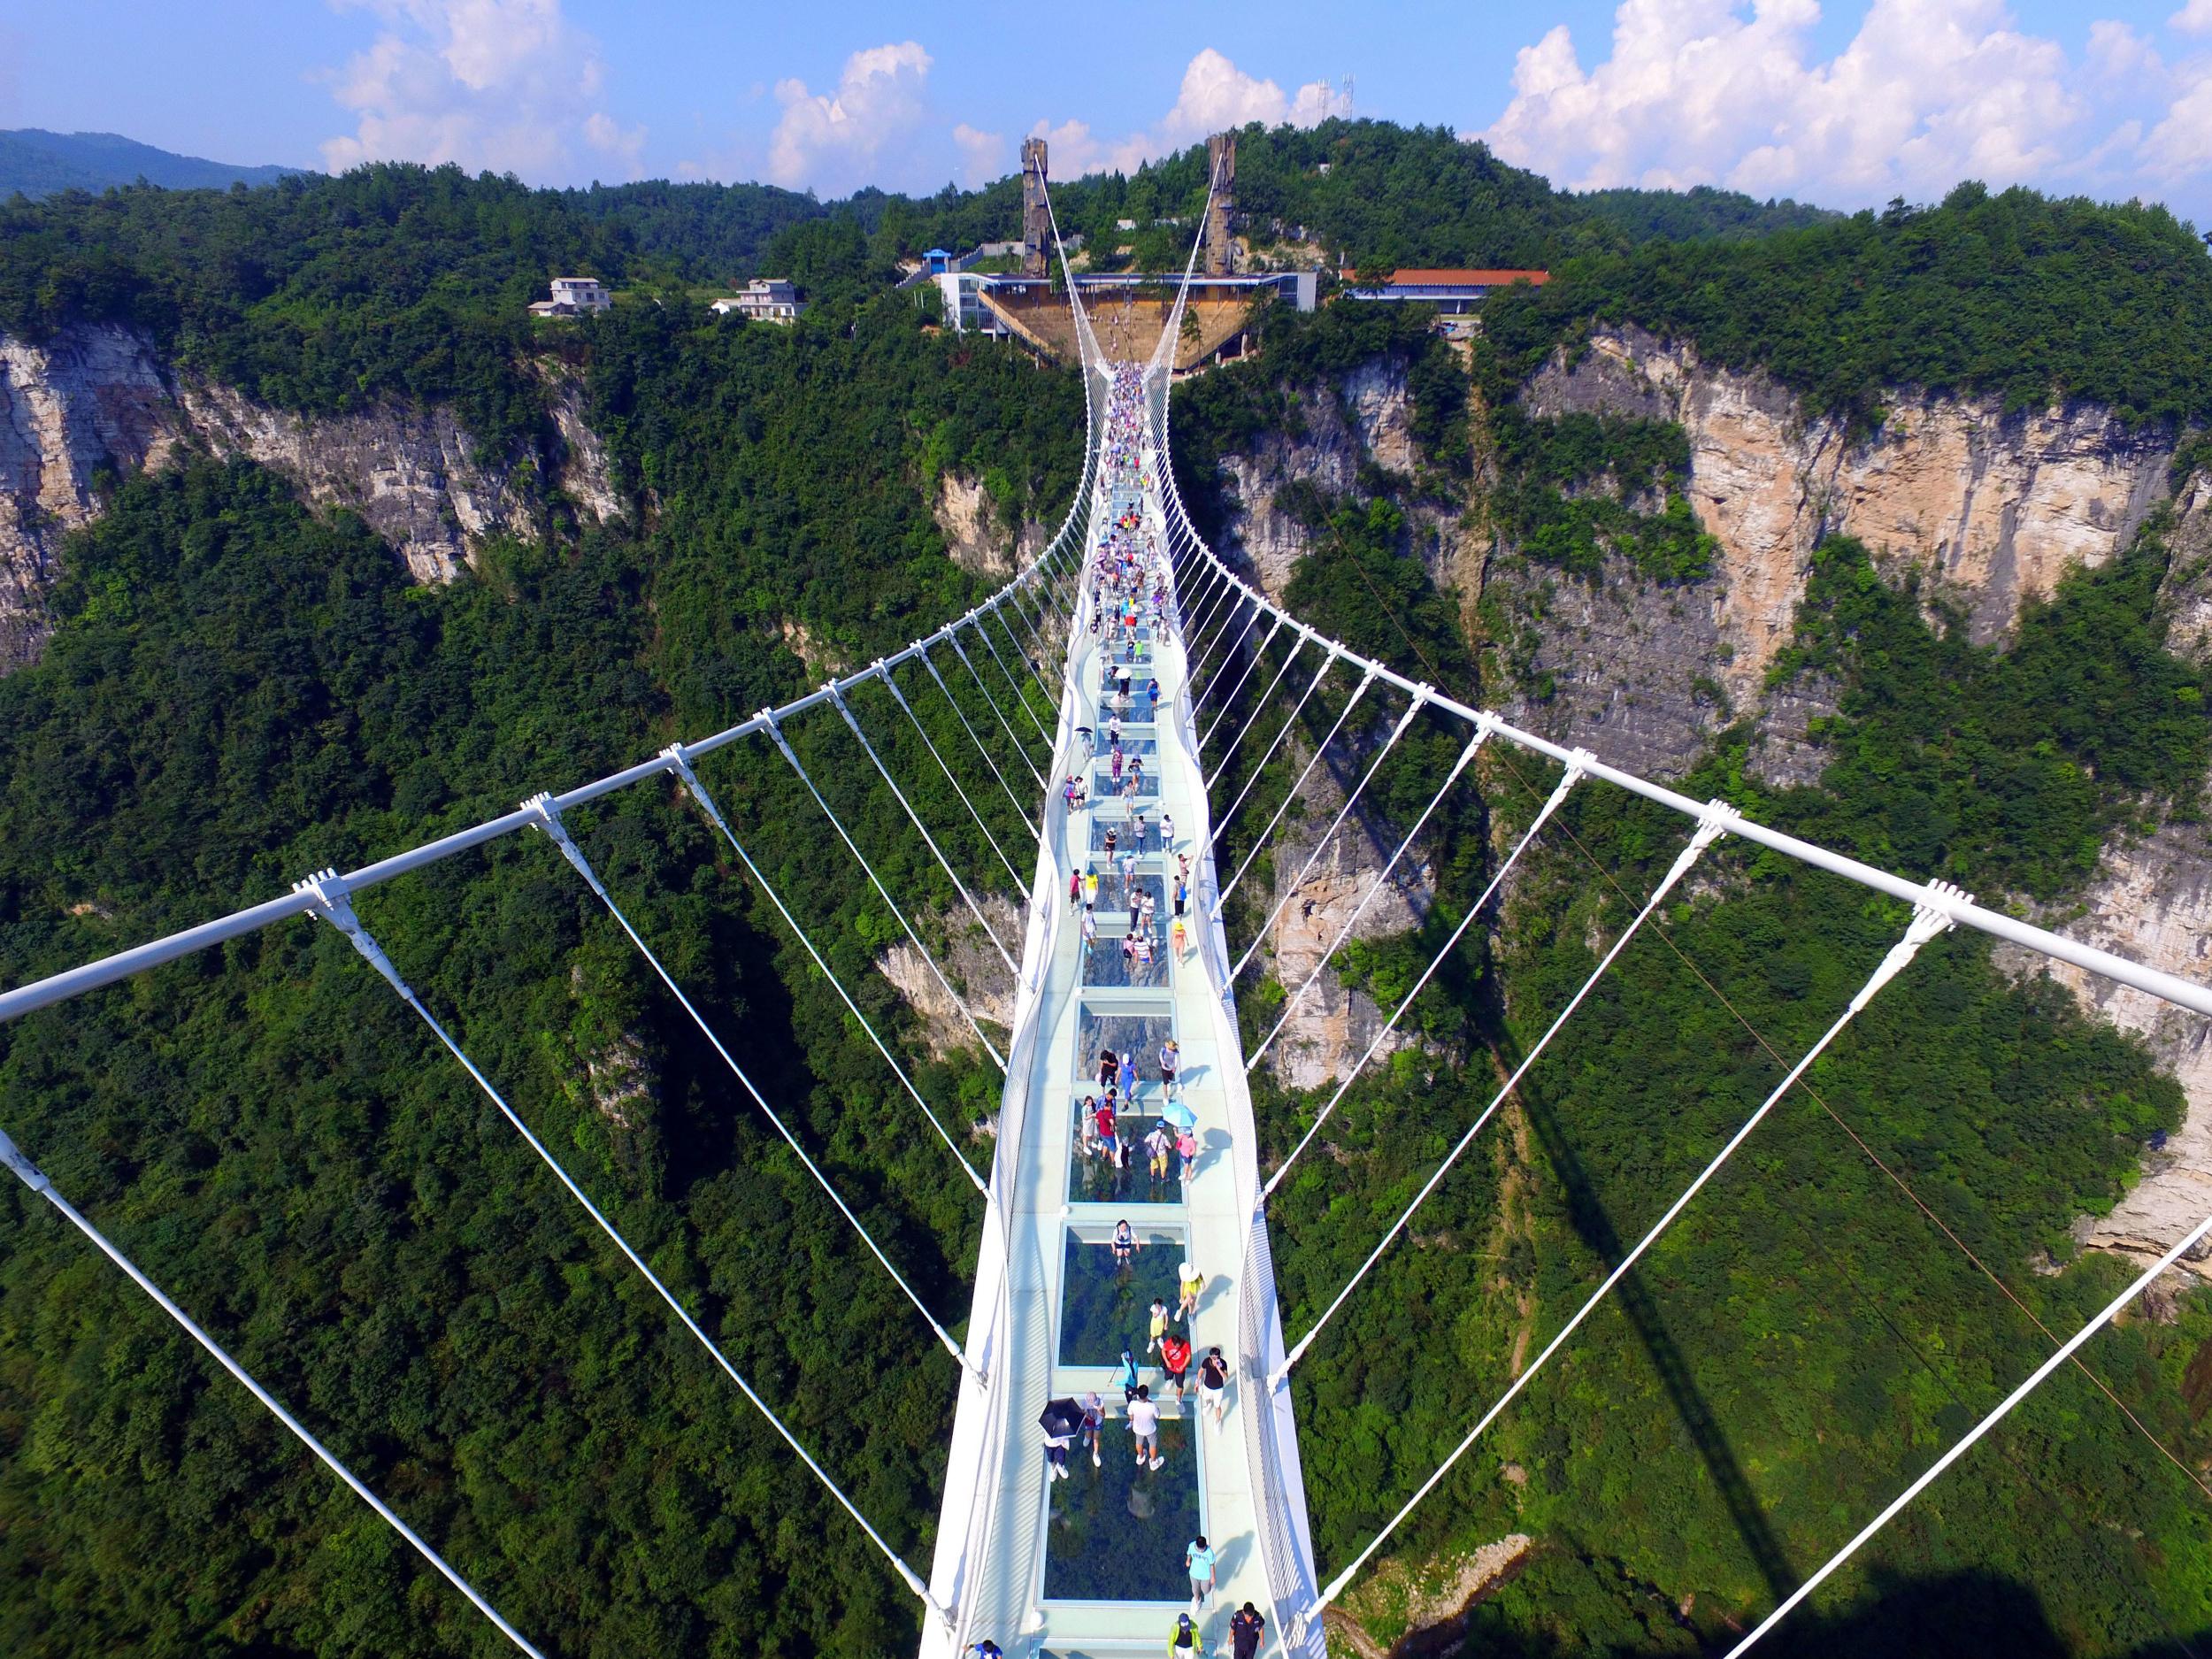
(95, 398)
(1994, 507)
(1330, 1026)
(972, 966)
(90, 400)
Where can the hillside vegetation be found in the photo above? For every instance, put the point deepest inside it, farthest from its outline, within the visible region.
(238, 691)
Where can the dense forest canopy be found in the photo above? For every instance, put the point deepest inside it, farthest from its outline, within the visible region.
(239, 690)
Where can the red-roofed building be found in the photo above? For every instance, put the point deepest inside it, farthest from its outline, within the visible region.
(1453, 293)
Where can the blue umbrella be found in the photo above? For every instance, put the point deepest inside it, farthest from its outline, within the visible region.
(1178, 1113)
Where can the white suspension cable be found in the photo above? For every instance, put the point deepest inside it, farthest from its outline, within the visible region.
(1966, 1442)
(1328, 662)
(37, 1180)
(899, 697)
(1266, 699)
(960, 651)
(837, 698)
(1290, 1005)
(1928, 921)
(1718, 818)
(783, 744)
(680, 764)
(1320, 750)
(1413, 710)
(987, 760)
(549, 819)
(1252, 614)
(1014, 685)
(326, 896)
(1568, 780)
(1236, 685)
(1250, 622)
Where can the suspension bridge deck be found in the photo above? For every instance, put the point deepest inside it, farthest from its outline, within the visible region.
(1094, 1563)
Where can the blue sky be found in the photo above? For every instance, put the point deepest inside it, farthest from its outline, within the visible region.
(1846, 103)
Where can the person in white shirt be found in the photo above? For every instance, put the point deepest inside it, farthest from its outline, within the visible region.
(1144, 1423)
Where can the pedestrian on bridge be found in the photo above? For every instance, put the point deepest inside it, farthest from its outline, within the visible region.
(1094, 1420)
(1144, 1425)
(1167, 831)
(1184, 1643)
(1213, 1386)
(1126, 1378)
(1170, 1060)
(1159, 1324)
(1199, 1558)
(1247, 1631)
(1175, 1362)
(1191, 1282)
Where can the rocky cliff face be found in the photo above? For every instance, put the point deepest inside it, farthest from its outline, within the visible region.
(91, 400)
(1994, 507)
(1320, 884)
(968, 518)
(1359, 423)
(95, 398)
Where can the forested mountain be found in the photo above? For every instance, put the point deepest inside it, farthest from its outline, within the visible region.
(242, 684)
(34, 162)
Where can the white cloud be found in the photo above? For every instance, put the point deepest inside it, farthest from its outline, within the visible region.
(2117, 52)
(982, 155)
(1215, 95)
(1696, 92)
(507, 85)
(2181, 142)
(2193, 19)
(830, 142)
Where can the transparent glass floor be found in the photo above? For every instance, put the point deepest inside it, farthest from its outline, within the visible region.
(1105, 964)
(1117, 1531)
(1094, 1177)
(1105, 1305)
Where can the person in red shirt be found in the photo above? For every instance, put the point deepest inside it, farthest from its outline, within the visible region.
(1175, 1360)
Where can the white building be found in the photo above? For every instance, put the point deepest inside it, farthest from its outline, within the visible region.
(765, 300)
(574, 296)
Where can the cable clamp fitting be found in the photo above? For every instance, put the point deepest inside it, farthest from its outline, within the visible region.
(33, 1177)
(327, 895)
(545, 815)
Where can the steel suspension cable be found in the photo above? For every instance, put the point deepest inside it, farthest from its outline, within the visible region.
(1567, 781)
(1199, 675)
(1014, 685)
(1266, 698)
(680, 764)
(548, 818)
(899, 697)
(1351, 800)
(1250, 622)
(1719, 816)
(327, 896)
(837, 700)
(1928, 921)
(1032, 659)
(960, 651)
(783, 744)
(1328, 662)
(1321, 749)
(38, 1180)
(1034, 828)
(1966, 1442)
(1290, 1004)
(1206, 736)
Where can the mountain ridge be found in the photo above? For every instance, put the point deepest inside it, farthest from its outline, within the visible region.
(36, 163)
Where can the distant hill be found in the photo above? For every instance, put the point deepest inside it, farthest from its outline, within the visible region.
(39, 163)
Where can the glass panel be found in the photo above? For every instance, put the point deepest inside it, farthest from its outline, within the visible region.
(1094, 1177)
(1105, 964)
(1117, 1533)
(1137, 1032)
(1105, 1305)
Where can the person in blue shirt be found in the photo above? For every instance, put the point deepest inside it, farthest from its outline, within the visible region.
(1152, 692)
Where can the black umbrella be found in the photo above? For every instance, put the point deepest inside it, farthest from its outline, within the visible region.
(1060, 1418)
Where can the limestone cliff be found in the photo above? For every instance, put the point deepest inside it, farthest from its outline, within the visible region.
(95, 398)
(1344, 431)
(1994, 506)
